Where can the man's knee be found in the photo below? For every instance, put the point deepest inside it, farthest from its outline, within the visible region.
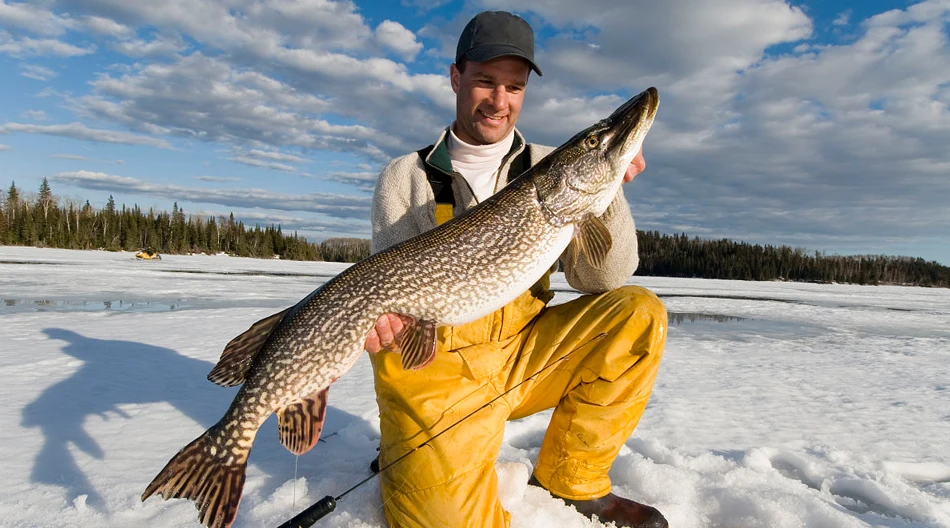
(640, 302)
(634, 323)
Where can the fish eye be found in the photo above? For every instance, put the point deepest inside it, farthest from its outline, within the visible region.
(592, 141)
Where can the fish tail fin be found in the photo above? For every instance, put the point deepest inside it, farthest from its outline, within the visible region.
(208, 473)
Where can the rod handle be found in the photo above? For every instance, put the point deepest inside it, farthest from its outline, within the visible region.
(314, 513)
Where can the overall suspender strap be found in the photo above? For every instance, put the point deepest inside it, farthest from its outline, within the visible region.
(441, 182)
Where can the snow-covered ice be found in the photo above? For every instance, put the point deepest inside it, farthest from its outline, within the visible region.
(777, 404)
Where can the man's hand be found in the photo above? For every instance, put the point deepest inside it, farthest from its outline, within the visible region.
(636, 167)
(384, 333)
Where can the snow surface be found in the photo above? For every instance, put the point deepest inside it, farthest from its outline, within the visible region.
(777, 404)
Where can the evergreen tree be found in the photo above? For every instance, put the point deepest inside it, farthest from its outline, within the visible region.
(46, 198)
(12, 203)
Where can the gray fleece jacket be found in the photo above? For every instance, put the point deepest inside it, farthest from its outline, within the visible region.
(404, 206)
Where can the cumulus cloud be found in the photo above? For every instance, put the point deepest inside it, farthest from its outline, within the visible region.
(31, 17)
(36, 115)
(217, 179)
(255, 162)
(276, 156)
(5, 147)
(104, 26)
(39, 73)
(82, 132)
(334, 205)
(843, 18)
(161, 46)
(206, 98)
(396, 37)
(268, 159)
(28, 46)
(364, 181)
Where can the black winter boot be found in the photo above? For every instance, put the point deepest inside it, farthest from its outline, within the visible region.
(623, 512)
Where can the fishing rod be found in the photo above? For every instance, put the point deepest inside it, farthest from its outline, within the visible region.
(326, 505)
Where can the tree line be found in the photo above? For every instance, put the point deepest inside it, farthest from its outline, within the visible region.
(681, 256)
(45, 220)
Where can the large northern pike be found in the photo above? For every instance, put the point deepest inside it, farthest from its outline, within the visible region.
(453, 274)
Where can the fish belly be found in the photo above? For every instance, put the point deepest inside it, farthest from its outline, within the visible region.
(492, 297)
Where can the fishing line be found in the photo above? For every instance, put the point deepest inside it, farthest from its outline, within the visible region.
(326, 505)
(296, 461)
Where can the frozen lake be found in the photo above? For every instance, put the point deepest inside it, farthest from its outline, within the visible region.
(777, 404)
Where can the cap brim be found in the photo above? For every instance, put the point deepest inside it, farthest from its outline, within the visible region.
(493, 51)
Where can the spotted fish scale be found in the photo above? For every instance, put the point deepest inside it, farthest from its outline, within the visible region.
(453, 274)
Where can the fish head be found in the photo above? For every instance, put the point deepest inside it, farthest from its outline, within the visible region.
(582, 176)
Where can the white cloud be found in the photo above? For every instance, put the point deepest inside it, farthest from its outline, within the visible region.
(843, 18)
(206, 98)
(161, 46)
(333, 205)
(104, 26)
(364, 181)
(276, 156)
(396, 37)
(72, 157)
(5, 147)
(255, 162)
(217, 179)
(245, 26)
(82, 132)
(32, 17)
(275, 55)
(27, 46)
(424, 5)
(36, 115)
(39, 73)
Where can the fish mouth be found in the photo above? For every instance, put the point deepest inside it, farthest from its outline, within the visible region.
(631, 121)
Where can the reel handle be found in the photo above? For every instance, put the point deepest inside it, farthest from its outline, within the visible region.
(308, 517)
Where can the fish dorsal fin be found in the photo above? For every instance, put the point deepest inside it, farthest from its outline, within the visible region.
(593, 240)
(236, 359)
(416, 343)
(300, 423)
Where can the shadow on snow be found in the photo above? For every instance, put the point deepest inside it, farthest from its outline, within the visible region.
(115, 373)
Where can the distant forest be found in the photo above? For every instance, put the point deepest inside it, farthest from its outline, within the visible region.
(44, 220)
(41, 219)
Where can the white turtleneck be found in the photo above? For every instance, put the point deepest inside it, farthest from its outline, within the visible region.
(478, 164)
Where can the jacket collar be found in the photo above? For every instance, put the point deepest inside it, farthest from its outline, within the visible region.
(439, 157)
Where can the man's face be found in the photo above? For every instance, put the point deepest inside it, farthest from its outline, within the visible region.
(488, 98)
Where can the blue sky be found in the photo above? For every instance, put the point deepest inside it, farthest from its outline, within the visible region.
(820, 125)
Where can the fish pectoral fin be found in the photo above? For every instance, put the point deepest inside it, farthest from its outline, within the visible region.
(416, 343)
(593, 240)
(236, 359)
(300, 423)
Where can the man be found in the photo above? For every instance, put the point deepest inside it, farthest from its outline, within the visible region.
(613, 338)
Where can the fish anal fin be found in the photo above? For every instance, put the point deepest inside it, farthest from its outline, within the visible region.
(300, 423)
(593, 240)
(416, 343)
(201, 472)
(239, 353)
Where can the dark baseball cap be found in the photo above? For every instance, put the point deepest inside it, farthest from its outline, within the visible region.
(497, 34)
